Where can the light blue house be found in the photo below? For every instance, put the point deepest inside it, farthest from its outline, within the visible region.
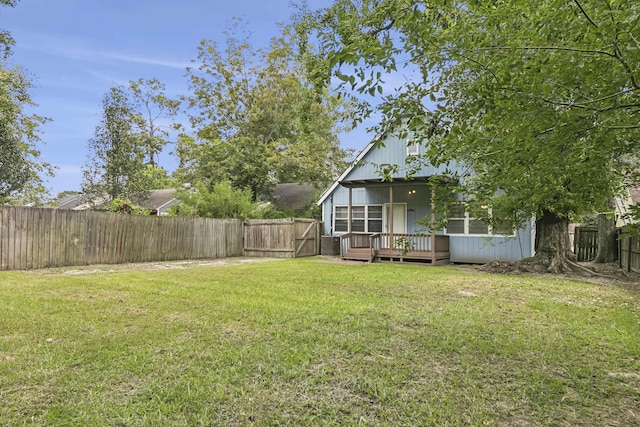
(377, 219)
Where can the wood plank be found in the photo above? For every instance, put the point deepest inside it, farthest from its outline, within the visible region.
(15, 224)
(11, 238)
(304, 238)
(30, 236)
(4, 239)
(46, 247)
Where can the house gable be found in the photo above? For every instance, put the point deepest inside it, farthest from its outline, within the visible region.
(390, 150)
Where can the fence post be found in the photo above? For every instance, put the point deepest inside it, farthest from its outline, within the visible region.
(629, 239)
(619, 248)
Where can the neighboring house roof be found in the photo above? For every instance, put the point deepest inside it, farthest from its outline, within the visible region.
(623, 205)
(158, 201)
(292, 196)
(70, 201)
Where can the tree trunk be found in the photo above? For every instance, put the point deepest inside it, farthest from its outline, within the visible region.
(607, 243)
(553, 247)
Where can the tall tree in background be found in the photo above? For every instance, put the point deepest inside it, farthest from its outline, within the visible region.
(135, 127)
(540, 100)
(21, 172)
(153, 114)
(116, 157)
(258, 119)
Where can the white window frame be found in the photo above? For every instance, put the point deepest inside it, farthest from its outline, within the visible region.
(366, 218)
(413, 149)
(467, 219)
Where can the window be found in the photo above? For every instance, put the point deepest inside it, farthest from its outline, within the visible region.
(457, 219)
(475, 223)
(364, 219)
(374, 219)
(358, 219)
(341, 218)
(412, 149)
(502, 224)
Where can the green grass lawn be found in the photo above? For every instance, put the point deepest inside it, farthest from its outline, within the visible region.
(311, 342)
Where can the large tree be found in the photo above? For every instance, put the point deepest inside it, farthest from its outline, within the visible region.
(21, 171)
(539, 100)
(136, 125)
(153, 114)
(116, 156)
(258, 119)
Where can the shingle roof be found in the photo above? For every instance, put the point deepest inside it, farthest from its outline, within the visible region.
(70, 201)
(158, 199)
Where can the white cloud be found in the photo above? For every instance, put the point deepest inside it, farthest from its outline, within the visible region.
(75, 49)
(138, 59)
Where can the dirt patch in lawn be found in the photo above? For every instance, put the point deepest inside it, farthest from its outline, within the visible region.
(153, 266)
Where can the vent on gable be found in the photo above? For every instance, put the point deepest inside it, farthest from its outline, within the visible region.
(412, 149)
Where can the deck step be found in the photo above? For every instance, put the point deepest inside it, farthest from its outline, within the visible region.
(358, 254)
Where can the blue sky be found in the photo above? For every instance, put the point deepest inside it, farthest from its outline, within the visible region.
(77, 49)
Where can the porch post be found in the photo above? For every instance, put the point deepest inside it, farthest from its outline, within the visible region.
(390, 219)
(433, 220)
(349, 212)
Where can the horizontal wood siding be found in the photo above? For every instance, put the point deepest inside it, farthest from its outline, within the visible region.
(480, 250)
(393, 152)
(39, 238)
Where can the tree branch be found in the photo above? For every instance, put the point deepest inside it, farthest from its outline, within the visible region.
(567, 104)
(585, 107)
(586, 15)
(552, 48)
(613, 95)
(618, 52)
(376, 31)
(625, 65)
(622, 127)
(617, 107)
(486, 67)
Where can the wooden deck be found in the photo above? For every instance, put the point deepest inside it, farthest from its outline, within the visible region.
(420, 248)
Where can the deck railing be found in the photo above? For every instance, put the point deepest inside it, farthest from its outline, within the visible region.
(414, 242)
(402, 242)
(358, 241)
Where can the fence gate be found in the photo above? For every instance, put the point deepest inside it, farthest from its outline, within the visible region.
(281, 238)
(585, 243)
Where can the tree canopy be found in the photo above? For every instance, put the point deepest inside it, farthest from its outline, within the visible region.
(21, 172)
(221, 201)
(122, 159)
(258, 120)
(539, 100)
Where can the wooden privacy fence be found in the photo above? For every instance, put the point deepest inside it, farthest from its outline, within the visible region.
(629, 253)
(281, 238)
(585, 243)
(37, 238)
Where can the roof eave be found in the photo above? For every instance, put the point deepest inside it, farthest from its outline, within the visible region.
(348, 170)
